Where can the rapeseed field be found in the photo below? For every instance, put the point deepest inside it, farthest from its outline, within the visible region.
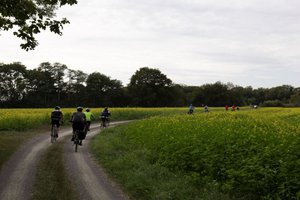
(246, 154)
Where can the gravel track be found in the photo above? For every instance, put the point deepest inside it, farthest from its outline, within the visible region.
(17, 175)
(89, 178)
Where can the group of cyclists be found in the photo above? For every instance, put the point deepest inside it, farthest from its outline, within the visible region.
(80, 120)
(191, 109)
(233, 108)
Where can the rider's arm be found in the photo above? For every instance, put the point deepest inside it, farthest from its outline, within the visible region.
(51, 115)
(71, 120)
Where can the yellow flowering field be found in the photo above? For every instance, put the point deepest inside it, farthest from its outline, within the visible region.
(22, 119)
(246, 154)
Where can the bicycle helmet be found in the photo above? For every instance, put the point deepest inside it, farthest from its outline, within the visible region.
(87, 110)
(79, 108)
(57, 108)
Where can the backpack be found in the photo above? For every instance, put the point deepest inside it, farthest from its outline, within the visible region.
(81, 135)
(56, 115)
(78, 117)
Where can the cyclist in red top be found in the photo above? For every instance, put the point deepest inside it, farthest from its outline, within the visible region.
(226, 107)
(233, 108)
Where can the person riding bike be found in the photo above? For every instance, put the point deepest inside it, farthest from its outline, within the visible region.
(105, 116)
(205, 108)
(191, 109)
(56, 118)
(89, 117)
(78, 120)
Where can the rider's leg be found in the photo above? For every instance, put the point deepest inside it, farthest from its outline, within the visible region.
(57, 128)
(81, 127)
(88, 125)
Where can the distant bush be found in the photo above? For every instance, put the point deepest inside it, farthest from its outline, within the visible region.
(273, 103)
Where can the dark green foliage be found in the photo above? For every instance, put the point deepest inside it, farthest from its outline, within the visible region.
(55, 84)
(30, 17)
(272, 103)
(102, 91)
(150, 88)
(12, 82)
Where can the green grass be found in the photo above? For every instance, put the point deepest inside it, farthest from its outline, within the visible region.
(141, 177)
(253, 154)
(10, 141)
(52, 181)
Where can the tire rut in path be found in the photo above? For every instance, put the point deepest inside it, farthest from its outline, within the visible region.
(88, 177)
(18, 174)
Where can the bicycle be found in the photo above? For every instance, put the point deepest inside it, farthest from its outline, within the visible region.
(104, 122)
(190, 112)
(54, 133)
(76, 139)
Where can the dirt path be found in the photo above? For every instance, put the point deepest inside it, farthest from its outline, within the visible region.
(90, 180)
(18, 173)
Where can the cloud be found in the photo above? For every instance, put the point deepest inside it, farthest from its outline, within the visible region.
(250, 42)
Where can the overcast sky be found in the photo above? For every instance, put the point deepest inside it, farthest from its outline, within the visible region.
(193, 42)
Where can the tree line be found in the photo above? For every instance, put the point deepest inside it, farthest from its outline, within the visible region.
(55, 84)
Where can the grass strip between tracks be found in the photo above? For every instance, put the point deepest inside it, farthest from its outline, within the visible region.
(52, 180)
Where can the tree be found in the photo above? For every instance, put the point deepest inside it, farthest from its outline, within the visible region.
(99, 88)
(149, 87)
(295, 98)
(12, 82)
(75, 88)
(46, 83)
(213, 94)
(29, 17)
(282, 93)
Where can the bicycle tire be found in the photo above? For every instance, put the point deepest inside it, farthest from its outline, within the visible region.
(53, 133)
(76, 140)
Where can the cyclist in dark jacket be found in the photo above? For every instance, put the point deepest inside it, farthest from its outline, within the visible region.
(78, 120)
(105, 116)
(56, 117)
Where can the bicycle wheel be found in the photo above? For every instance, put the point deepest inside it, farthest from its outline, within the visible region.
(53, 133)
(76, 140)
(102, 125)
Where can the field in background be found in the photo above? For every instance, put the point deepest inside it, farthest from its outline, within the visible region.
(252, 154)
(19, 125)
(24, 119)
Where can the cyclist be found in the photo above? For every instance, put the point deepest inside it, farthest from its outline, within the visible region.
(105, 116)
(205, 108)
(78, 120)
(233, 108)
(226, 107)
(191, 109)
(89, 117)
(56, 118)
